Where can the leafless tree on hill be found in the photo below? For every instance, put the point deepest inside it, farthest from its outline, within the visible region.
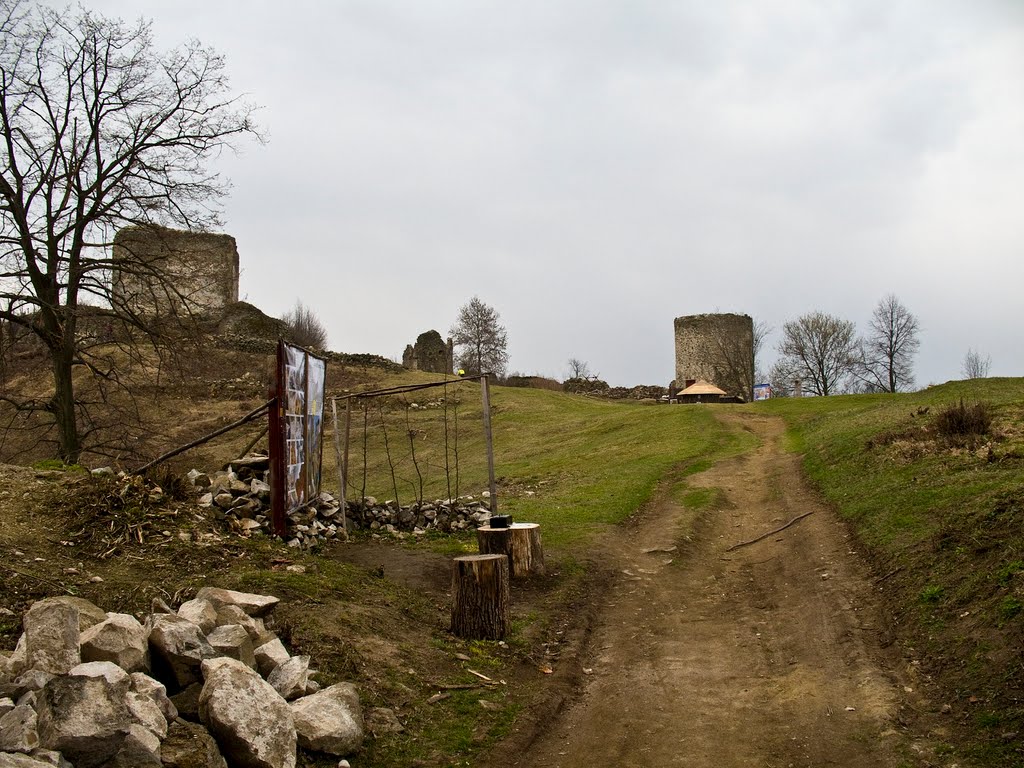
(887, 352)
(481, 339)
(818, 349)
(580, 369)
(736, 362)
(976, 365)
(99, 130)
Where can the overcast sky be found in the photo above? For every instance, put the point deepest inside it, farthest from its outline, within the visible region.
(593, 169)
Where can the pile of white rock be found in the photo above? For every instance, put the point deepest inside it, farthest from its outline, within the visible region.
(191, 687)
(241, 494)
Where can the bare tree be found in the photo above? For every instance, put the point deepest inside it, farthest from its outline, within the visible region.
(580, 369)
(305, 328)
(783, 379)
(887, 352)
(735, 361)
(99, 130)
(481, 339)
(761, 332)
(819, 350)
(975, 365)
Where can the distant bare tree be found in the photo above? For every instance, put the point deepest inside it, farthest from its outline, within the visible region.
(887, 352)
(481, 338)
(305, 328)
(782, 378)
(820, 350)
(736, 362)
(975, 365)
(580, 369)
(761, 332)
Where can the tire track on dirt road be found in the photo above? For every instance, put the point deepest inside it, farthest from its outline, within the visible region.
(773, 655)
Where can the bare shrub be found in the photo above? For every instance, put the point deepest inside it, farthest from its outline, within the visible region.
(960, 421)
(305, 328)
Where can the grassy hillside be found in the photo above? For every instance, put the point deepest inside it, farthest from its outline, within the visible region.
(571, 463)
(943, 517)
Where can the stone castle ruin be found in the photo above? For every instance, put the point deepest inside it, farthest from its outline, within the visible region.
(162, 271)
(718, 348)
(430, 353)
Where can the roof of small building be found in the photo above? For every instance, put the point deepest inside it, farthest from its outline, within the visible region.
(701, 387)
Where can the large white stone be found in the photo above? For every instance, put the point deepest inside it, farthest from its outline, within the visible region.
(270, 656)
(251, 722)
(88, 613)
(291, 678)
(108, 670)
(232, 614)
(178, 648)
(119, 638)
(146, 713)
(330, 721)
(83, 718)
(254, 605)
(51, 637)
(144, 685)
(200, 612)
(232, 640)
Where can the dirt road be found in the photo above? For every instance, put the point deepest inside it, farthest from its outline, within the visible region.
(773, 655)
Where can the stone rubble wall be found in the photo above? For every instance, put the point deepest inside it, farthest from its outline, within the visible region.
(599, 388)
(240, 496)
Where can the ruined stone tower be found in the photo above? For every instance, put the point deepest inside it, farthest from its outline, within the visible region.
(160, 271)
(430, 353)
(718, 348)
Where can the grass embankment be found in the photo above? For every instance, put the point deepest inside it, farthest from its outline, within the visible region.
(943, 517)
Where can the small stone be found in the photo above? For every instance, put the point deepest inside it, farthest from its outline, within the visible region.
(18, 730)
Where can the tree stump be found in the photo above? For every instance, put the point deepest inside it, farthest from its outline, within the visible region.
(520, 542)
(480, 599)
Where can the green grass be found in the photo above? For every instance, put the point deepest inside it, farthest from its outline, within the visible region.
(575, 465)
(946, 516)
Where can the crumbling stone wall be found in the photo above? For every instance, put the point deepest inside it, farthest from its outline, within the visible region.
(160, 271)
(430, 353)
(718, 348)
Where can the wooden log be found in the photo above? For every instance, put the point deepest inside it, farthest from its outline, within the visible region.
(480, 597)
(520, 542)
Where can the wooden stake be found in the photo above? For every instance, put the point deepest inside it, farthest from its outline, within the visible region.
(344, 464)
(489, 440)
(338, 461)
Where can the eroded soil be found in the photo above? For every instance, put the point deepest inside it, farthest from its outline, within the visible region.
(774, 654)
